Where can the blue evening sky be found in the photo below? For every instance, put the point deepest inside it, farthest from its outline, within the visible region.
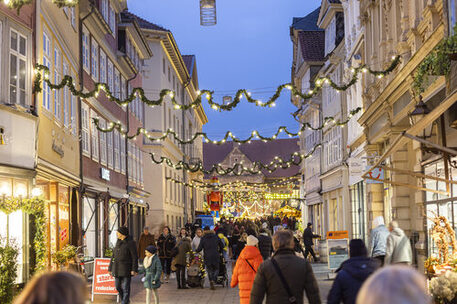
(249, 48)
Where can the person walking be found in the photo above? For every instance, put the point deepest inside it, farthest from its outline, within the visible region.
(212, 248)
(379, 240)
(180, 260)
(165, 244)
(124, 263)
(308, 237)
(240, 244)
(265, 243)
(153, 271)
(197, 238)
(146, 239)
(351, 274)
(61, 287)
(397, 284)
(398, 247)
(246, 269)
(225, 243)
(285, 276)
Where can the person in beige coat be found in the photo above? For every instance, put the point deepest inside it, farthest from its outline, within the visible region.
(398, 247)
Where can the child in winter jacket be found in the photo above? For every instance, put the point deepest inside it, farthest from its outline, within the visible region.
(226, 245)
(246, 267)
(153, 271)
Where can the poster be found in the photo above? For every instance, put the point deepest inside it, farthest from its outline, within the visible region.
(102, 281)
(338, 248)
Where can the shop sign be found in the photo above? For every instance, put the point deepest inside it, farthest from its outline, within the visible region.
(338, 248)
(58, 149)
(105, 174)
(102, 281)
(376, 173)
(356, 169)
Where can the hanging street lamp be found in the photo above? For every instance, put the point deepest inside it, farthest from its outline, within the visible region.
(419, 112)
(208, 12)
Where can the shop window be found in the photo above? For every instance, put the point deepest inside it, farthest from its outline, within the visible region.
(88, 226)
(358, 211)
(113, 222)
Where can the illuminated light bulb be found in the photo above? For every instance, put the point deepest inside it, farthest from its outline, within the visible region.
(199, 92)
(310, 92)
(289, 87)
(274, 137)
(380, 76)
(364, 70)
(249, 94)
(273, 104)
(214, 107)
(36, 71)
(171, 94)
(352, 70)
(208, 96)
(46, 76)
(393, 57)
(327, 81)
(177, 106)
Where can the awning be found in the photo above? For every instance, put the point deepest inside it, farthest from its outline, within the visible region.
(411, 134)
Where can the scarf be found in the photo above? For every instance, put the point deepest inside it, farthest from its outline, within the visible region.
(148, 261)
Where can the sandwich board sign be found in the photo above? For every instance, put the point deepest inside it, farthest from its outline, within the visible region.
(102, 281)
(337, 247)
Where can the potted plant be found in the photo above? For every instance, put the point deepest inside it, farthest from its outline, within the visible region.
(63, 257)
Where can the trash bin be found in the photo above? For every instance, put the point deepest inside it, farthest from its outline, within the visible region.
(323, 253)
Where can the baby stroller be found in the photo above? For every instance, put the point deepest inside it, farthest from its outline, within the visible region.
(222, 277)
(196, 273)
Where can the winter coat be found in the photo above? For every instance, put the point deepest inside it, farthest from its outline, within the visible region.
(152, 273)
(398, 248)
(239, 247)
(298, 274)
(308, 237)
(125, 258)
(265, 245)
(351, 275)
(224, 241)
(143, 242)
(243, 275)
(184, 248)
(378, 241)
(165, 244)
(195, 242)
(212, 247)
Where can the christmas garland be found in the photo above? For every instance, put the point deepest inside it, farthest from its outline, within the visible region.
(42, 74)
(36, 208)
(237, 169)
(228, 135)
(18, 4)
(231, 185)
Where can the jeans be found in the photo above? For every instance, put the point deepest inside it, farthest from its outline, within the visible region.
(213, 271)
(166, 265)
(181, 275)
(309, 249)
(123, 288)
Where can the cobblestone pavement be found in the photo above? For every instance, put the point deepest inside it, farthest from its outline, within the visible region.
(169, 293)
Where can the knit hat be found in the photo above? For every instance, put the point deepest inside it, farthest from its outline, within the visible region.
(152, 249)
(357, 248)
(252, 241)
(123, 230)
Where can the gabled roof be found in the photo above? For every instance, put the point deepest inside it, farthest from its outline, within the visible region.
(312, 45)
(144, 23)
(189, 61)
(257, 150)
(307, 23)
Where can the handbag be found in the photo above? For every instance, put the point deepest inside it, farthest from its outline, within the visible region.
(292, 298)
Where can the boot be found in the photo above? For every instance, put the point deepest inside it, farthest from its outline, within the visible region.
(167, 278)
(211, 284)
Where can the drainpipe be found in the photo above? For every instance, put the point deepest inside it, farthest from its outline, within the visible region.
(81, 84)
(184, 172)
(128, 128)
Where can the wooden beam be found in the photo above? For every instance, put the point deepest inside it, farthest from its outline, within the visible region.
(408, 185)
(417, 174)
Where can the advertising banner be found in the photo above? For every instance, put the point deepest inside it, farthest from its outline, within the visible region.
(102, 281)
(338, 248)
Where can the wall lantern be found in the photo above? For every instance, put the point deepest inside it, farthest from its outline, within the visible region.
(419, 112)
(208, 12)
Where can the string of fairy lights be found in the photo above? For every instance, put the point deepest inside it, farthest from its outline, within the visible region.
(18, 4)
(42, 76)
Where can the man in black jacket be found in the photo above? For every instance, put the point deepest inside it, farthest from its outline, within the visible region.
(212, 247)
(352, 274)
(124, 263)
(308, 237)
(265, 244)
(297, 273)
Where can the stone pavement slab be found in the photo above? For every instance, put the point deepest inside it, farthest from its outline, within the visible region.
(169, 294)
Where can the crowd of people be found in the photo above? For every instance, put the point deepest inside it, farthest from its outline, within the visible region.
(263, 265)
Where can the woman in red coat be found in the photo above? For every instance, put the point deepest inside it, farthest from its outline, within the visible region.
(246, 268)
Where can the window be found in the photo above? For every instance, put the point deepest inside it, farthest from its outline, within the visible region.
(112, 20)
(109, 145)
(141, 168)
(73, 17)
(102, 142)
(57, 93)
(117, 80)
(73, 111)
(66, 99)
(134, 163)
(94, 136)
(122, 154)
(117, 157)
(94, 60)
(123, 88)
(18, 68)
(85, 129)
(163, 65)
(138, 165)
(102, 66)
(85, 40)
(104, 9)
(110, 77)
(129, 161)
(169, 74)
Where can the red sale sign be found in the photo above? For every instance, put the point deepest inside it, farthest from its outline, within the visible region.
(102, 281)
